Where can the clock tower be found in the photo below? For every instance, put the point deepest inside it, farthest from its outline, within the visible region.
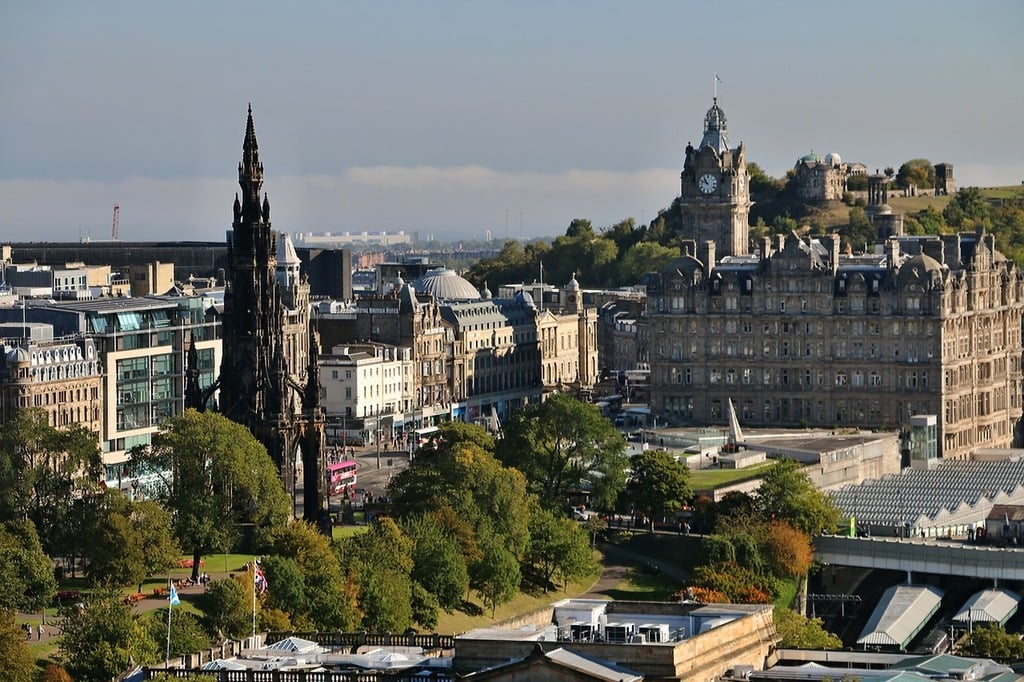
(715, 200)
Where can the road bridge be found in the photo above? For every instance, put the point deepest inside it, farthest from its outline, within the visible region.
(923, 555)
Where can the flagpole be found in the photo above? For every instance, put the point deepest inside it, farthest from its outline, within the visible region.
(254, 602)
(167, 655)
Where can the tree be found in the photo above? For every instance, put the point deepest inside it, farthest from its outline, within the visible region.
(102, 636)
(787, 551)
(786, 492)
(42, 469)
(17, 664)
(799, 632)
(132, 541)
(859, 233)
(559, 547)
(659, 486)
(381, 562)
(215, 476)
(290, 594)
(330, 598)
(187, 632)
(564, 446)
(438, 565)
(917, 172)
(228, 605)
(26, 573)
(991, 640)
(476, 495)
(645, 257)
(740, 585)
(967, 206)
(496, 576)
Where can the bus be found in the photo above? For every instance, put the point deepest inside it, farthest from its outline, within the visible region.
(426, 434)
(341, 477)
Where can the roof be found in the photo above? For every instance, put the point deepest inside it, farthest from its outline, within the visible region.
(900, 614)
(989, 605)
(445, 285)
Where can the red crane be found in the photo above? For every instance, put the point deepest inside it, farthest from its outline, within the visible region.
(113, 226)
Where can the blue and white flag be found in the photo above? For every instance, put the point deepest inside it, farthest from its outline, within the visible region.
(174, 596)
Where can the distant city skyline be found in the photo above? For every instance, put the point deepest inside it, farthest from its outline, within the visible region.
(456, 118)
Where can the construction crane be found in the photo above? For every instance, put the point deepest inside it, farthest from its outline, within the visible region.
(113, 226)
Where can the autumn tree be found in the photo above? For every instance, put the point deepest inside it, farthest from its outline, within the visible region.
(17, 663)
(215, 476)
(659, 485)
(227, 604)
(787, 551)
(564, 446)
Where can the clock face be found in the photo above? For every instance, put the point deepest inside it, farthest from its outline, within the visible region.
(707, 183)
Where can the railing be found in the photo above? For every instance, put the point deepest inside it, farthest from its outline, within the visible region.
(427, 642)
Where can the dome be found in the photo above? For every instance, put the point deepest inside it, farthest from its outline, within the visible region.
(573, 285)
(919, 267)
(18, 355)
(811, 158)
(525, 298)
(445, 285)
(833, 159)
(485, 293)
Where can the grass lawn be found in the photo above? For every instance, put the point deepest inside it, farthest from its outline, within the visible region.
(684, 551)
(645, 584)
(709, 479)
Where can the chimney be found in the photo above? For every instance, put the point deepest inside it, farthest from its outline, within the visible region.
(892, 253)
(933, 247)
(708, 253)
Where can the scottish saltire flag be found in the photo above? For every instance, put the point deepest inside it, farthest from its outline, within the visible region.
(174, 596)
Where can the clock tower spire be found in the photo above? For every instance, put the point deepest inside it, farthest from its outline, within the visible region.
(715, 200)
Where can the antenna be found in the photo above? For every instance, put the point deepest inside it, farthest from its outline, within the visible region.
(717, 81)
(113, 225)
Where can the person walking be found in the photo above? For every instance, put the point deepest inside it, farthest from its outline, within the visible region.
(41, 631)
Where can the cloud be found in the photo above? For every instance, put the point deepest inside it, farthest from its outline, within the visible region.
(452, 202)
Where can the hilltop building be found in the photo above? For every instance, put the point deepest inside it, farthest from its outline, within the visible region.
(820, 178)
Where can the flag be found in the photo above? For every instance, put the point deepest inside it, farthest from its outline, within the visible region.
(717, 79)
(259, 580)
(174, 596)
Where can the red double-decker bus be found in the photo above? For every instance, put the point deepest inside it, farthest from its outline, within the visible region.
(341, 477)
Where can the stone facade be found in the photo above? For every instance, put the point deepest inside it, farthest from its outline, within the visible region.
(269, 376)
(802, 335)
(820, 179)
(715, 199)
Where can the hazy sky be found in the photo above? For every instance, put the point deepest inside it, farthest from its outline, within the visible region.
(455, 118)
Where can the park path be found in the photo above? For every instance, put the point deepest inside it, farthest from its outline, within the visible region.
(618, 563)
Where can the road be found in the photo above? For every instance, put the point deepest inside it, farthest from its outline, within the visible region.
(370, 478)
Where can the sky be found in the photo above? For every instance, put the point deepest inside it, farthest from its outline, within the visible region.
(474, 119)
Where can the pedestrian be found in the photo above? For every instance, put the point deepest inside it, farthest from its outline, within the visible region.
(27, 629)
(40, 631)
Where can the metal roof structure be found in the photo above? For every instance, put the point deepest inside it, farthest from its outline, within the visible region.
(900, 614)
(996, 605)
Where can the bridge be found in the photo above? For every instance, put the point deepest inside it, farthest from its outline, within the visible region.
(923, 555)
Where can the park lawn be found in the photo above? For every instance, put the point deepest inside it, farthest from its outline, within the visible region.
(683, 551)
(709, 479)
(347, 531)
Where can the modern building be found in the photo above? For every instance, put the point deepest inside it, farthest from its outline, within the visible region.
(140, 349)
